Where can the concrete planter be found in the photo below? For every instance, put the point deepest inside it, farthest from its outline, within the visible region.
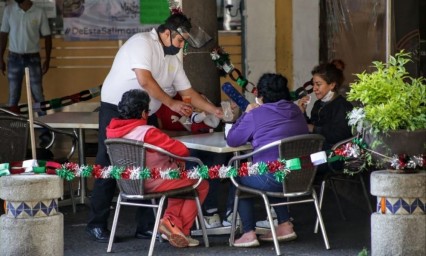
(32, 224)
(398, 226)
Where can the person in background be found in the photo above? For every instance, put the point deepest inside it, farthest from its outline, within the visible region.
(23, 24)
(148, 61)
(180, 214)
(328, 115)
(273, 117)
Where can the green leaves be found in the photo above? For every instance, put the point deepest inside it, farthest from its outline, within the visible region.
(391, 99)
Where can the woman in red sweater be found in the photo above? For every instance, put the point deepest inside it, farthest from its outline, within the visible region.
(180, 214)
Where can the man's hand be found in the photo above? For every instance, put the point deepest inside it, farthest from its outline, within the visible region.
(45, 67)
(181, 107)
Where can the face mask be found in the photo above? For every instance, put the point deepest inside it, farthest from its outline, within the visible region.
(171, 50)
(328, 96)
(258, 101)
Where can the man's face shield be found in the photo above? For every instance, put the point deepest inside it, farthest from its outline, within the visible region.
(196, 38)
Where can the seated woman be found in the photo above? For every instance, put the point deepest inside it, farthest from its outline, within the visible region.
(273, 117)
(328, 115)
(180, 214)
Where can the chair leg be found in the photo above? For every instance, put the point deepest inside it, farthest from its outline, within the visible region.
(271, 223)
(364, 190)
(321, 197)
(114, 224)
(339, 205)
(156, 224)
(234, 221)
(74, 208)
(201, 218)
(317, 208)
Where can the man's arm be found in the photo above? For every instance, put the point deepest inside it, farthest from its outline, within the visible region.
(48, 50)
(199, 102)
(3, 42)
(148, 83)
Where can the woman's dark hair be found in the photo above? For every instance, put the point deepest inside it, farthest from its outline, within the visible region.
(175, 21)
(330, 73)
(133, 103)
(273, 88)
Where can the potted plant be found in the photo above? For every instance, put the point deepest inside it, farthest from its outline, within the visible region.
(392, 112)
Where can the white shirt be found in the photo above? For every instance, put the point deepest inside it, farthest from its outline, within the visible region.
(143, 51)
(24, 28)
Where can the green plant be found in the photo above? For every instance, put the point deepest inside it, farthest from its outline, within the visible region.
(364, 252)
(390, 98)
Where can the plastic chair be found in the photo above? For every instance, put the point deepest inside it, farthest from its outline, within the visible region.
(297, 185)
(126, 153)
(336, 173)
(14, 130)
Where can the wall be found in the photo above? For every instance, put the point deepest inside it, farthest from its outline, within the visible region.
(74, 66)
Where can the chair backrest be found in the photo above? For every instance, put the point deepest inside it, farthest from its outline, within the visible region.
(127, 152)
(300, 146)
(14, 132)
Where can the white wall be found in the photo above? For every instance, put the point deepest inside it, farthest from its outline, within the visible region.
(305, 42)
(259, 38)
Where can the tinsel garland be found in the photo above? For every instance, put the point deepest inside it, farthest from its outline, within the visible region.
(279, 168)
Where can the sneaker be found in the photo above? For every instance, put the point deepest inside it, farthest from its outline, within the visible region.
(265, 223)
(173, 233)
(228, 219)
(212, 221)
(192, 242)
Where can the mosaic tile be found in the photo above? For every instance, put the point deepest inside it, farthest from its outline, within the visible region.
(32, 209)
(403, 206)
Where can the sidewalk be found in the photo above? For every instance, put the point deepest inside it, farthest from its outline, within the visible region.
(345, 237)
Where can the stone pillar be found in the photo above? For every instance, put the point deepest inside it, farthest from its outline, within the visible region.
(399, 225)
(198, 65)
(32, 224)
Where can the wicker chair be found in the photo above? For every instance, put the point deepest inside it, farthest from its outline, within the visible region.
(126, 152)
(297, 185)
(14, 131)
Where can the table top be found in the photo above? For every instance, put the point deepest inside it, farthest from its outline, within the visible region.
(72, 120)
(212, 142)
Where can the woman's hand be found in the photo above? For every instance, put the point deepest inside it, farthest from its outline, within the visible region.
(303, 102)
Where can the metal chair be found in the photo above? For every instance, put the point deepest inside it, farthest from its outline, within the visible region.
(336, 173)
(126, 153)
(297, 185)
(14, 130)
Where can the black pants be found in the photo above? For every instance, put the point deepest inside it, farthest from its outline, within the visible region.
(104, 189)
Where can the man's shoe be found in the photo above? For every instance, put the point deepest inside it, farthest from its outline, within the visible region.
(100, 235)
(173, 233)
(145, 235)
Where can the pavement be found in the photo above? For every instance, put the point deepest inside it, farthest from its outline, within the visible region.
(346, 237)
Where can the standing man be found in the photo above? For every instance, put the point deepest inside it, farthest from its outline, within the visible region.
(147, 61)
(23, 24)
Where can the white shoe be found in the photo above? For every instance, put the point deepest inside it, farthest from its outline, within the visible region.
(265, 223)
(212, 221)
(192, 242)
(228, 219)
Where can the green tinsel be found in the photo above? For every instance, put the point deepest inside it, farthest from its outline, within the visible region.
(65, 174)
(263, 168)
(116, 172)
(204, 172)
(87, 171)
(232, 172)
(279, 176)
(174, 174)
(145, 174)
